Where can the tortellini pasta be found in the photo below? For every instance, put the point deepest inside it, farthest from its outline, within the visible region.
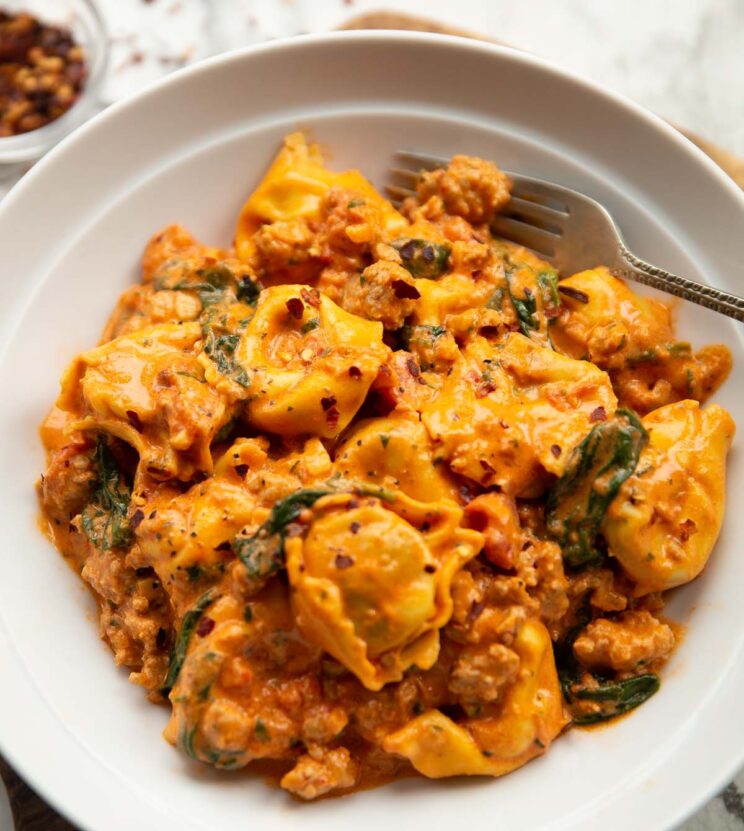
(606, 322)
(510, 412)
(197, 527)
(293, 188)
(523, 726)
(665, 521)
(310, 363)
(148, 389)
(371, 580)
(395, 451)
(632, 337)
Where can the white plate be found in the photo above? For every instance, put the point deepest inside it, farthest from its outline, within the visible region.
(189, 150)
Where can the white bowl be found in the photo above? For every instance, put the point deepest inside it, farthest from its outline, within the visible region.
(189, 150)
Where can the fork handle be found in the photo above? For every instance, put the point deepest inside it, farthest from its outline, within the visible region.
(640, 271)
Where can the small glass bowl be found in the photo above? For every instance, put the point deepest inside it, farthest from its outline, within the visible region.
(84, 20)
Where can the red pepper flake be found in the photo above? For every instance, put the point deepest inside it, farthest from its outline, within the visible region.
(551, 312)
(164, 378)
(405, 291)
(574, 294)
(295, 307)
(134, 420)
(43, 72)
(413, 367)
(135, 519)
(555, 450)
(332, 417)
(157, 472)
(312, 298)
(475, 610)
(206, 624)
(687, 529)
(328, 402)
(484, 464)
(354, 527)
(343, 561)
(600, 414)
(355, 372)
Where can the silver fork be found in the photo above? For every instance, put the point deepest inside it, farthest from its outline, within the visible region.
(569, 230)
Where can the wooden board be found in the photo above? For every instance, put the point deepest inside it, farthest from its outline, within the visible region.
(30, 812)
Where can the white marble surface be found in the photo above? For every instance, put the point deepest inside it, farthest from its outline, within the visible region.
(683, 59)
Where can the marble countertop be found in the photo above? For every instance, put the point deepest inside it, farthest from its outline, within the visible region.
(684, 59)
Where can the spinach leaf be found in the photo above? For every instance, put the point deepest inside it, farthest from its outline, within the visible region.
(536, 304)
(188, 627)
(597, 468)
(212, 284)
(496, 300)
(224, 432)
(249, 291)
(220, 348)
(526, 309)
(104, 520)
(615, 697)
(547, 284)
(423, 334)
(262, 553)
(422, 258)
(311, 324)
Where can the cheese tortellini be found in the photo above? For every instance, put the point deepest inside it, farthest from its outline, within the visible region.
(147, 388)
(395, 451)
(632, 337)
(371, 580)
(309, 362)
(508, 413)
(529, 718)
(293, 189)
(665, 521)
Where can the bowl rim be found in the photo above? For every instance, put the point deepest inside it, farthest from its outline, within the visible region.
(292, 42)
(21, 758)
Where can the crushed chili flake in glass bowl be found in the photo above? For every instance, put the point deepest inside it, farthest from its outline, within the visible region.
(53, 56)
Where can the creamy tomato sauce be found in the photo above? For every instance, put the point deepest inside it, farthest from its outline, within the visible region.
(375, 492)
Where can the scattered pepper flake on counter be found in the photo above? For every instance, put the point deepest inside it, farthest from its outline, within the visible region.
(42, 73)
